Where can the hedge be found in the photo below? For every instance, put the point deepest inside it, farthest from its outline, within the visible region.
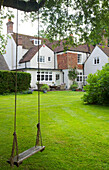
(97, 89)
(8, 79)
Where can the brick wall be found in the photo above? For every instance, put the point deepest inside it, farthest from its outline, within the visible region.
(68, 60)
(62, 61)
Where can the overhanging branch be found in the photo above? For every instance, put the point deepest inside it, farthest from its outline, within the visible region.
(28, 6)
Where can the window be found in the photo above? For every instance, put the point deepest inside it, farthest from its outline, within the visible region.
(49, 59)
(80, 77)
(44, 76)
(36, 42)
(96, 60)
(41, 59)
(57, 76)
(79, 58)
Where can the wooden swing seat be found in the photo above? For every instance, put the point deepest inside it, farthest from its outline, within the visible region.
(26, 154)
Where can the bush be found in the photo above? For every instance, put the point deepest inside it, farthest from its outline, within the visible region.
(97, 89)
(8, 80)
(74, 86)
(27, 92)
(44, 87)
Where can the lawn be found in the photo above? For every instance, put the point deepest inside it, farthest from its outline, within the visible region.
(76, 136)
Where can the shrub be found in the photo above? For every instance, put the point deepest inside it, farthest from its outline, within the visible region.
(74, 86)
(97, 89)
(44, 87)
(8, 80)
(27, 92)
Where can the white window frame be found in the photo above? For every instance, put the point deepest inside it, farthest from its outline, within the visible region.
(79, 62)
(45, 76)
(50, 59)
(96, 59)
(80, 77)
(36, 40)
(41, 59)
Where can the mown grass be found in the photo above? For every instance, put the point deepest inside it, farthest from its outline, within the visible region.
(75, 135)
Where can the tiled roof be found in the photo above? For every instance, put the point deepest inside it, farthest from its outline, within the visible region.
(29, 54)
(56, 46)
(104, 49)
(80, 48)
(27, 40)
(3, 64)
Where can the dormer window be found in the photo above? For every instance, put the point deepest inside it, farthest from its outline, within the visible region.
(79, 58)
(96, 60)
(36, 42)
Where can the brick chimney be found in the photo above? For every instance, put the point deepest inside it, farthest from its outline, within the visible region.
(9, 26)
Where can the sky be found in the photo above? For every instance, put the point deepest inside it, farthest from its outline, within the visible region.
(27, 28)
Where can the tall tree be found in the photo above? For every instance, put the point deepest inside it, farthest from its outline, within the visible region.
(87, 19)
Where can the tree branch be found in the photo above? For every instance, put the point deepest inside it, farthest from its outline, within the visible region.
(28, 6)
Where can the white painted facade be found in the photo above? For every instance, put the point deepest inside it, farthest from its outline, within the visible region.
(52, 82)
(48, 67)
(45, 52)
(90, 66)
(10, 56)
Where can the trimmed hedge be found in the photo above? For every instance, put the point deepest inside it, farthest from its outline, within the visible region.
(8, 79)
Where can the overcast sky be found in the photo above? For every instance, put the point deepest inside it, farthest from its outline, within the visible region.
(27, 28)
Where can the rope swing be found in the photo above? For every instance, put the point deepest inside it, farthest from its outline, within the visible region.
(18, 159)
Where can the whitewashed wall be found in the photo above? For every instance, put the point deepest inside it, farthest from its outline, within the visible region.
(10, 55)
(69, 82)
(33, 73)
(47, 52)
(90, 67)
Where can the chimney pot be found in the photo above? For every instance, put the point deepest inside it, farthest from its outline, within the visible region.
(9, 26)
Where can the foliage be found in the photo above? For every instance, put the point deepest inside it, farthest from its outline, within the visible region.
(3, 38)
(75, 135)
(87, 20)
(27, 92)
(44, 87)
(74, 86)
(97, 89)
(7, 81)
(72, 74)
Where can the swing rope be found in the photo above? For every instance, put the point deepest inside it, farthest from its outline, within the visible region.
(18, 159)
(38, 125)
(15, 144)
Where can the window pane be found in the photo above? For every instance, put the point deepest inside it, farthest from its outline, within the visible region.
(50, 77)
(79, 58)
(38, 77)
(49, 58)
(42, 77)
(97, 60)
(78, 78)
(46, 77)
(57, 76)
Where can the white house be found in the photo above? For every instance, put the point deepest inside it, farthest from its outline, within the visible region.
(54, 62)
(98, 58)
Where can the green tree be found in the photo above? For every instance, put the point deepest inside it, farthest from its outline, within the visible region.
(97, 89)
(87, 19)
(72, 74)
